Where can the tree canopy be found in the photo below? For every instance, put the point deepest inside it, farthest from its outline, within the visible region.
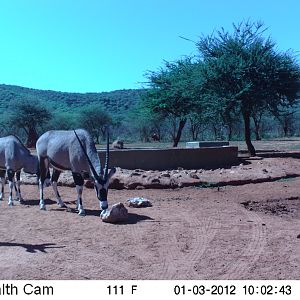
(94, 119)
(244, 73)
(172, 92)
(29, 115)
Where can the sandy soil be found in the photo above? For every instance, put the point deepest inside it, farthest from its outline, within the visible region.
(241, 231)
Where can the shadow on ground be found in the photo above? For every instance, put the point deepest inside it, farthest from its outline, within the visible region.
(31, 247)
(36, 202)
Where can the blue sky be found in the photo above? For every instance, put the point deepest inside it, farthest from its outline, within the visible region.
(104, 45)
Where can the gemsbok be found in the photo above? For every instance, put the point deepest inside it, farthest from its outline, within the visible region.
(14, 157)
(75, 151)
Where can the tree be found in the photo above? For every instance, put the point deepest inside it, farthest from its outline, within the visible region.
(257, 116)
(286, 120)
(146, 122)
(95, 120)
(197, 124)
(30, 115)
(244, 72)
(172, 93)
(62, 121)
(5, 127)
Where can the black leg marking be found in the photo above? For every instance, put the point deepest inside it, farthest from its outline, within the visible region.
(18, 176)
(55, 175)
(79, 188)
(15, 186)
(2, 178)
(44, 171)
(10, 175)
(78, 179)
(43, 167)
(54, 178)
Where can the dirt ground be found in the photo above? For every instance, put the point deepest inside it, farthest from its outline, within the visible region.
(244, 229)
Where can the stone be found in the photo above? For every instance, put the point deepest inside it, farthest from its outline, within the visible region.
(118, 144)
(117, 213)
(89, 184)
(140, 187)
(155, 180)
(117, 183)
(165, 175)
(139, 202)
(194, 175)
(135, 174)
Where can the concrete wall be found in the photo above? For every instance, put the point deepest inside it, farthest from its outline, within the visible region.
(206, 144)
(163, 159)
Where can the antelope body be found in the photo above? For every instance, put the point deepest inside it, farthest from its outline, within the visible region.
(75, 151)
(14, 157)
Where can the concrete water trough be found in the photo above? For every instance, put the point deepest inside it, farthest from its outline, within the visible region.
(172, 158)
(206, 144)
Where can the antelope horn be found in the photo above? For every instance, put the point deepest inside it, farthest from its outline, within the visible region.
(107, 156)
(87, 157)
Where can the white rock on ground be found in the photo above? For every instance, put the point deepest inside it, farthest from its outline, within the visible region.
(117, 213)
(138, 202)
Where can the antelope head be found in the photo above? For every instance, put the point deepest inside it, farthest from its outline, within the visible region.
(101, 180)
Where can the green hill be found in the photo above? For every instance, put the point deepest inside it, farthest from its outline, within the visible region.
(115, 102)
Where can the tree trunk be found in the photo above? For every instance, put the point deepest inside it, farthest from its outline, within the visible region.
(256, 128)
(285, 127)
(215, 130)
(229, 132)
(144, 135)
(179, 131)
(193, 131)
(251, 149)
(31, 138)
(194, 128)
(257, 135)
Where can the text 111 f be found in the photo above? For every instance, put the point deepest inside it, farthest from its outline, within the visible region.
(119, 289)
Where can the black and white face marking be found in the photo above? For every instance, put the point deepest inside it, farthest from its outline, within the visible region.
(101, 187)
(101, 191)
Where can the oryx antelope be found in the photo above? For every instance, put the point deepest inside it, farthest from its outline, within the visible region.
(75, 151)
(14, 157)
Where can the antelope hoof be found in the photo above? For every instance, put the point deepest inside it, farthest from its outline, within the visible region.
(81, 212)
(103, 212)
(42, 207)
(22, 201)
(10, 204)
(62, 205)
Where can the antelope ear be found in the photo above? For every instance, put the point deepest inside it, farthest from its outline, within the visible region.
(111, 173)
